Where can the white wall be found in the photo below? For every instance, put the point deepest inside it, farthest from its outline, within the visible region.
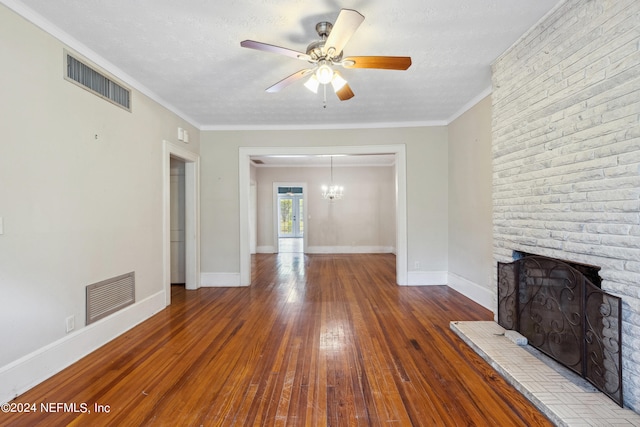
(566, 131)
(80, 198)
(426, 150)
(470, 210)
(364, 221)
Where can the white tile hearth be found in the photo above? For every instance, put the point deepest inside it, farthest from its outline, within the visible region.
(565, 399)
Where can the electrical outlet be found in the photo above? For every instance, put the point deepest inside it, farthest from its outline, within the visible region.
(71, 323)
(416, 265)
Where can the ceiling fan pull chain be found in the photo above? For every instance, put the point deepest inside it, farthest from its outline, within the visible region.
(325, 96)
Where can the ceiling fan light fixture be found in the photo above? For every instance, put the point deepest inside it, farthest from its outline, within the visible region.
(324, 73)
(327, 52)
(312, 84)
(337, 82)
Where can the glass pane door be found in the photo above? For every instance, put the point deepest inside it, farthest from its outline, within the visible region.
(285, 214)
(290, 211)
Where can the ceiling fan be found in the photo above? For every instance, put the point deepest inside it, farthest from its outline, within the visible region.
(326, 53)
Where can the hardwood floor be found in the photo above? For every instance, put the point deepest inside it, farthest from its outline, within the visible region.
(316, 340)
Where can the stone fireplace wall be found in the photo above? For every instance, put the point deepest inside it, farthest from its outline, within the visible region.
(566, 151)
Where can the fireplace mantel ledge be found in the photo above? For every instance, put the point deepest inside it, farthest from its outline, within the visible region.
(560, 399)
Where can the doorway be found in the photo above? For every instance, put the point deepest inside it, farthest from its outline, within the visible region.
(244, 167)
(290, 219)
(191, 216)
(177, 221)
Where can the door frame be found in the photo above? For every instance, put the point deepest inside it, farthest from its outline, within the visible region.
(303, 185)
(192, 216)
(244, 178)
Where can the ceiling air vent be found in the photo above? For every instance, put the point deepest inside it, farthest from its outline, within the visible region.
(96, 82)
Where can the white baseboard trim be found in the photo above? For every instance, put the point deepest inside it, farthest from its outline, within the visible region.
(350, 249)
(32, 369)
(220, 280)
(335, 250)
(265, 250)
(471, 290)
(426, 278)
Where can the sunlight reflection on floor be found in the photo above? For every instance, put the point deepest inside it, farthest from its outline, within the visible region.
(290, 244)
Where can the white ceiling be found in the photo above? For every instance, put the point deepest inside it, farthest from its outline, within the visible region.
(187, 55)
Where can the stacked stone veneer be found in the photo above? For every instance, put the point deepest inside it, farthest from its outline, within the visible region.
(566, 151)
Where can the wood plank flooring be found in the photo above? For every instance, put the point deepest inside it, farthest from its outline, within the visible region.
(315, 340)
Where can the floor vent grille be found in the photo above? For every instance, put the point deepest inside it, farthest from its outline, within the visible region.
(108, 296)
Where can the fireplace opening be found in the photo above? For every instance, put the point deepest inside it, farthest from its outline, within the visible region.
(591, 272)
(562, 311)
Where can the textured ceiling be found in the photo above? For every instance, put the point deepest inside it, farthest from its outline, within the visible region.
(187, 55)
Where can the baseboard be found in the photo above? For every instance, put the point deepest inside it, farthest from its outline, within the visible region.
(335, 250)
(426, 278)
(32, 369)
(474, 291)
(350, 250)
(220, 280)
(265, 250)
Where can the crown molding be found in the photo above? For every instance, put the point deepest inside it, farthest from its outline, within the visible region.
(469, 105)
(334, 126)
(79, 47)
(76, 45)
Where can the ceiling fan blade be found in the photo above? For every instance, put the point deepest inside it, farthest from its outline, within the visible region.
(275, 49)
(380, 62)
(347, 23)
(345, 92)
(289, 80)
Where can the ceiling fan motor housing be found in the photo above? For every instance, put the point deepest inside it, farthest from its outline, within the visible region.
(316, 49)
(324, 29)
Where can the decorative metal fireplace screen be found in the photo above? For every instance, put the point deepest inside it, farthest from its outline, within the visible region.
(563, 314)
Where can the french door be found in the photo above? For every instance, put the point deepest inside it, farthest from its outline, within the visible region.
(290, 215)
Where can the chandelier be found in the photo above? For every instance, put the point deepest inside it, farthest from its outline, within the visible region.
(333, 191)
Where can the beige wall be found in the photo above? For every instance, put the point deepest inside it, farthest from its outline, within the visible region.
(470, 221)
(426, 150)
(80, 191)
(363, 220)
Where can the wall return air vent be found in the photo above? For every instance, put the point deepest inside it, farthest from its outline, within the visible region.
(96, 82)
(108, 296)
